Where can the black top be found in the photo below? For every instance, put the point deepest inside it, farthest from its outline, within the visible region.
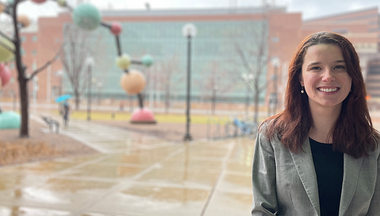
(329, 169)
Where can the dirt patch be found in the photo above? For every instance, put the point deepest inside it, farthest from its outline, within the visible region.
(39, 146)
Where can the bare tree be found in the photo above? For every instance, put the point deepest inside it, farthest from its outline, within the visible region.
(252, 48)
(79, 46)
(23, 78)
(214, 84)
(167, 80)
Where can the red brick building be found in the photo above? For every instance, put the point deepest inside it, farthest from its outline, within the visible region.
(286, 30)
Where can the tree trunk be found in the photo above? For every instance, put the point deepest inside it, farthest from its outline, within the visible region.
(213, 104)
(167, 102)
(77, 100)
(23, 86)
(256, 111)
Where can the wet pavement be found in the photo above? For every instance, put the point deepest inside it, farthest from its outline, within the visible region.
(134, 174)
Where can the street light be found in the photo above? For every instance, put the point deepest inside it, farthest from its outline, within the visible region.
(90, 63)
(189, 31)
(247, 78)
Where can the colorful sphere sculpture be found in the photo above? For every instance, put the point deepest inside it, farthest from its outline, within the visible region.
(87, 16)
(123, 62)
(116, 28)
(5, 74)
(133, 82)
(5, 53)
(24, 20)
(10, 120)
(147, 60)
(38, 1)
(62, 3)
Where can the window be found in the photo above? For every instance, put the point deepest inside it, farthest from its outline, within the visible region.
(34, 38)
(23, 38)
(34, 52)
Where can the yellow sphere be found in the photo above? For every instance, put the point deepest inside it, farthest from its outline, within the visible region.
(133, 82)
(123, 61)
(5, 54)
(24, 20)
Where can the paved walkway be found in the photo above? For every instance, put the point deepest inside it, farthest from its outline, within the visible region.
(133, 175)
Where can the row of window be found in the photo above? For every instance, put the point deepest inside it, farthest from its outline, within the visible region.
(23, 38)
(34, 52)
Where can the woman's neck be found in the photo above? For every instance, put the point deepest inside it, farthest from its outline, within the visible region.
(323, 120)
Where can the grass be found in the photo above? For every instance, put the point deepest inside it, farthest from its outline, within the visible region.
(160, 117)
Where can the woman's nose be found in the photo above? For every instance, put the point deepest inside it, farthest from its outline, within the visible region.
(328, 76)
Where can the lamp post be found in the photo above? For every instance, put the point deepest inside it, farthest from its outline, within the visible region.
(247, 78)
(90, 64)
(189, 31)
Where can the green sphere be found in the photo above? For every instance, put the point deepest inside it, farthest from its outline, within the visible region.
(9, 120)
(87, 16)
(147, 60)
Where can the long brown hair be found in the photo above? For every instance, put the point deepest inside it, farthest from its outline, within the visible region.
(353, 132)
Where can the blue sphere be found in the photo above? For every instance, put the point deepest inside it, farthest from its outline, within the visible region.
(147, 60)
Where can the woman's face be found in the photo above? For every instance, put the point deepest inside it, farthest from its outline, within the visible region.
(324, 76)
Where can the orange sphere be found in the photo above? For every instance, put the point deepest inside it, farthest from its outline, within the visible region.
(2, 7)
(133, 82)
(24, 20)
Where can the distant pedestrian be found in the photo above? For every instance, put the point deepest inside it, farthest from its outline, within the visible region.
(121, 106)
(65, 113)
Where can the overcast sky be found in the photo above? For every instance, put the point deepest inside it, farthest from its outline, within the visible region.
(310, 8)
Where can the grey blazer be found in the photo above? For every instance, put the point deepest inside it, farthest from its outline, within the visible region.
(285, 183)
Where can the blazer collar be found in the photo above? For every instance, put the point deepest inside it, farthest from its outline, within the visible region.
(350, 180)
(305, 168)
(303, 161)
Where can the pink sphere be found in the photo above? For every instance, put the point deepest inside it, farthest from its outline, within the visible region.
(116, 28)
(38, 1)
(5, 74)
(143, 115)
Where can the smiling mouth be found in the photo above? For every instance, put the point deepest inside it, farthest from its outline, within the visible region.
(328, 89)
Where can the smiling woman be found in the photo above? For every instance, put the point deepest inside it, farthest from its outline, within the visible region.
(326, 81)
(308, 158)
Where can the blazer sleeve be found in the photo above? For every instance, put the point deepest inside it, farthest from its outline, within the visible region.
(374, 208)
(264, 178)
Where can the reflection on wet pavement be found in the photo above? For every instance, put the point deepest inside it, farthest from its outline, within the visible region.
(134, 174)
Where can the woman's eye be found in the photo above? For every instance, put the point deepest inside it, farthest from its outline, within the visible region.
(315, 68)
(340, 67)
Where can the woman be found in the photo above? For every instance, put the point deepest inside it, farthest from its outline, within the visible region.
(320, 155)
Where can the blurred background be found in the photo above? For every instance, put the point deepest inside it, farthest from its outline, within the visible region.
(240, 53)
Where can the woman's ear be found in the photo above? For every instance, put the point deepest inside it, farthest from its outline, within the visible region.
(301, 80)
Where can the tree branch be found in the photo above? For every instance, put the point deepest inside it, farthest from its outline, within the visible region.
(59, 52)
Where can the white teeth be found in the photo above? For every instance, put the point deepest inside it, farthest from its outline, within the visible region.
(328, 89)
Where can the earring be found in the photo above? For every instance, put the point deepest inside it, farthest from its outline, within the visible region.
(302, 90)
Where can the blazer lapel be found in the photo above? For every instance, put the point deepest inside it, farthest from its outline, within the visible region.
(350, 180)
(306, 171)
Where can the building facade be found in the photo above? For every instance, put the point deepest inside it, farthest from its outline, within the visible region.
(232, 46)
